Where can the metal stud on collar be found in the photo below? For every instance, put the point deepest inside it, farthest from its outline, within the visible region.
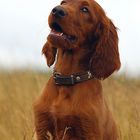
(78, 78)
(89, 75)
(72, 79)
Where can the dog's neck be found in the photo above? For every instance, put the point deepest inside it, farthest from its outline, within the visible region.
(70, 61)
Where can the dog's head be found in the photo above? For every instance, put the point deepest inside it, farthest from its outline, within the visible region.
(72, 22)
(83, 24)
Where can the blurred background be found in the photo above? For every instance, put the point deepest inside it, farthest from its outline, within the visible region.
(23, 70)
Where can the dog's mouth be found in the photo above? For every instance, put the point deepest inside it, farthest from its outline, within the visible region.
(57, 31)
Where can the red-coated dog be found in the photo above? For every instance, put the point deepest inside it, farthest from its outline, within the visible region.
(72, 106)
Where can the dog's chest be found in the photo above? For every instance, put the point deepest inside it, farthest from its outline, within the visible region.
(68, 120)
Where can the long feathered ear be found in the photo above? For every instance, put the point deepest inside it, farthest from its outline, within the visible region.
(105, 59)
(49, 52)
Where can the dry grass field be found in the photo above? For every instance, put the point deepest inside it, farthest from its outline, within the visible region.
(19, 89)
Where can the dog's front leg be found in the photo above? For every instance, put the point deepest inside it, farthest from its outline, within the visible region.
(44, 126)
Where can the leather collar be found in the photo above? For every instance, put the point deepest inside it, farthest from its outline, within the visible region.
(71, 79)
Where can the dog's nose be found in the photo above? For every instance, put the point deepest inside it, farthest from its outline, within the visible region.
(59, 12)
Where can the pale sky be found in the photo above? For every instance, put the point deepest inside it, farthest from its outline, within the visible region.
(24, 28)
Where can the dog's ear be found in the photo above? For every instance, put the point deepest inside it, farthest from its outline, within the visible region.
(50, 52)
(105, 59)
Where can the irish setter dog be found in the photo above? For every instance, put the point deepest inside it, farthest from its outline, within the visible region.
(84, 42)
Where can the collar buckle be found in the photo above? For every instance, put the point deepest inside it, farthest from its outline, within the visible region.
(63, 80)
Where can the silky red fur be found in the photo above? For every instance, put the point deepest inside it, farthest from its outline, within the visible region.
(80, 108)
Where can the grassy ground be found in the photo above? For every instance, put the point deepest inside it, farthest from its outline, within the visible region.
(18, 90)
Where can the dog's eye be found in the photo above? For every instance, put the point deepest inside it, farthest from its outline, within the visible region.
(63, 2)
(84, 10)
